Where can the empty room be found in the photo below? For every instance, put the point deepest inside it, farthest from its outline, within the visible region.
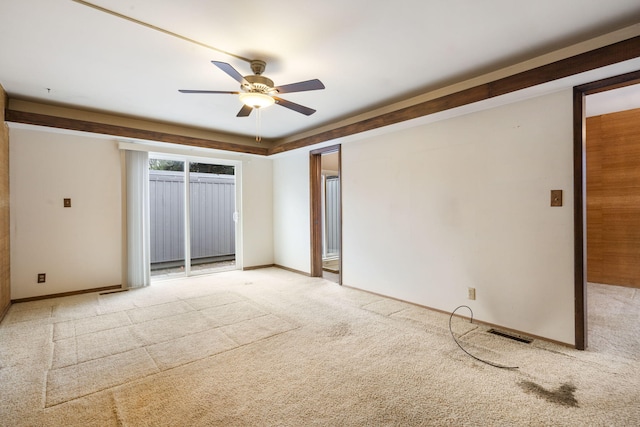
(319, 213)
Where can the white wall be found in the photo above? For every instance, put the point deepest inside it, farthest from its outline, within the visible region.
(78, 247)
(291, 211)
(427, 212)
(431, 210)
(257, 212)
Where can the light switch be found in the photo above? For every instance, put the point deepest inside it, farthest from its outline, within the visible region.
(556, 197)
(67, 203)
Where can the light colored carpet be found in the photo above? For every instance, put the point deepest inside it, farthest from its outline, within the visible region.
(273, 348)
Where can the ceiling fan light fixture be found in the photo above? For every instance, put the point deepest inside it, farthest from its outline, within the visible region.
(256, 99)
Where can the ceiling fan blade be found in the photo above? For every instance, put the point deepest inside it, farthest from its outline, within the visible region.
(295, 107)
(207, 91)
(244, 111)
(314, 84)
(227, 68)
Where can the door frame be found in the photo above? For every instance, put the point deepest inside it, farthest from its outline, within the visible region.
(315, 193)
(579, 193)
(187, 159)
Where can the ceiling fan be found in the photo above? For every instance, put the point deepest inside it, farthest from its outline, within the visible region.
(258, 91)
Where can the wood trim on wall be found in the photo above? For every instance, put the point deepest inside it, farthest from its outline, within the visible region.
(127, 132)
(258, 267)
(608, 55)
(462, 316)
(71, 293)
(293, 270)
(315, 197)
(315, 200)
(579, 197)
(5, 264)
(597, 58)
(579, 224)
(5, 311)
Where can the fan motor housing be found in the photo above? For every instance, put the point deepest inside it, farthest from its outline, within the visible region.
(258, 84)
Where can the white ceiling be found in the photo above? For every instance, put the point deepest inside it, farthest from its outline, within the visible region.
(367, 53)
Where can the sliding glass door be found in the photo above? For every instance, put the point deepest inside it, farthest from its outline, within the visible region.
(192, 217)
(211, 219)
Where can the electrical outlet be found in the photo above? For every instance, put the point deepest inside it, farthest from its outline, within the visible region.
(471, 293)
(42, 277)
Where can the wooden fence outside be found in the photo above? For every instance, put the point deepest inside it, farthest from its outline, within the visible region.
(212, 225)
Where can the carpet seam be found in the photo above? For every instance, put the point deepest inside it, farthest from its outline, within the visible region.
(168, 369)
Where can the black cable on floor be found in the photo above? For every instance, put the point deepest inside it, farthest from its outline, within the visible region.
(462, 348)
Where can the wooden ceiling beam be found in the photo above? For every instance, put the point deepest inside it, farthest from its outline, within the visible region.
(587, 61)
(127, 132)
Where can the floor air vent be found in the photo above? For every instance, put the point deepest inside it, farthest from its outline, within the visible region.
(510, 336)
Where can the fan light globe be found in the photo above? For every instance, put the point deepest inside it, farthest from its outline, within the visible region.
(256, 99)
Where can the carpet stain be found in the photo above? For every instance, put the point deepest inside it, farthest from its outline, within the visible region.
(339, 330)
(563, 395)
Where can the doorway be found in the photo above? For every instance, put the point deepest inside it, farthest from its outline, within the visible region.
(580, 200)
(326, 214)
(192, 207)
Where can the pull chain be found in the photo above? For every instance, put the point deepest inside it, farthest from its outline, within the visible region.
(258, 125)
